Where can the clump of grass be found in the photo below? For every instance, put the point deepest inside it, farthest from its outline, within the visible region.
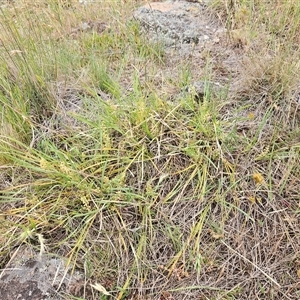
(271, 57)
(147, 197)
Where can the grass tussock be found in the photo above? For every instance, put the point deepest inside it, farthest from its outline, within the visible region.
(149, 197)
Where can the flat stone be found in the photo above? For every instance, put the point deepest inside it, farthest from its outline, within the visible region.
(178, 22)
(30, 276)
(199, 89)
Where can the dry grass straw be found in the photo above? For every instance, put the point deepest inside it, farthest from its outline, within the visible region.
(152, 199)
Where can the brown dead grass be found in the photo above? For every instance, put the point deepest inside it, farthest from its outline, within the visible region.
(189, 205)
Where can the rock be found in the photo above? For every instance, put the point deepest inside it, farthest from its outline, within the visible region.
(199, 88)
(29, 276)
(177, 22)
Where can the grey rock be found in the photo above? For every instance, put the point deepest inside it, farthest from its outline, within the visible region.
(199, 89)
(36, 277)
(176, 22)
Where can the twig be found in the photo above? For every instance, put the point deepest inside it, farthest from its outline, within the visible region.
(253, 264)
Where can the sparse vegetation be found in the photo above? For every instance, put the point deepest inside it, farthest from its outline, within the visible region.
(151, 194)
